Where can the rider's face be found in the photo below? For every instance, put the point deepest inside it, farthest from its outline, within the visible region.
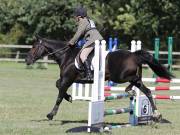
(77, 18)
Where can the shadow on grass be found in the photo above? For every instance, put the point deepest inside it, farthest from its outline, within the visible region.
(63, 122)
(81, 129)
(42, 120)
(60, 122)
(46, 120)
(165, 121)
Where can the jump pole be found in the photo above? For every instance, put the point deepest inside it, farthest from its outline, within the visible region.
(115, 44)
(170, 45)
(135, 46)
(112, 43)
(156, 51)
(156, 48)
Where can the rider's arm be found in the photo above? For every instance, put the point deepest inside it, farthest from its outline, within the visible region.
(80, 31)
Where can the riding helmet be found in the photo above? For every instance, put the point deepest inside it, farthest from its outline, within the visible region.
(80, 11)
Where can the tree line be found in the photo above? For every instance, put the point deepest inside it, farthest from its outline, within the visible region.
(125, 19)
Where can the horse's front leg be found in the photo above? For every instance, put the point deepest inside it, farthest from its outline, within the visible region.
(67, 97)
(56, 107)
(62, 93)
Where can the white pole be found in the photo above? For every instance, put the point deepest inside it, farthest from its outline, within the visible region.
(74, 89)
(102, 70)
(80, 90)
(133, 46)
(86, 91)
(96, 72)
(138, 45)
(96, 106)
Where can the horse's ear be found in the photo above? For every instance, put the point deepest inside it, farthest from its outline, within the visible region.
(37, 37)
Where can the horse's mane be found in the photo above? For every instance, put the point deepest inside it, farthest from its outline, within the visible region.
(56, 42)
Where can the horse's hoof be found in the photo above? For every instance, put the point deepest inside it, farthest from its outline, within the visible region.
(157, 117)
(50, 116)
(134, 93)
(131, 93)
(70, 99)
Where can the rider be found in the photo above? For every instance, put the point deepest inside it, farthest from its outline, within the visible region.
(87, 30)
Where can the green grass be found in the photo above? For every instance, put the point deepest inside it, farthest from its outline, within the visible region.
(27, 95)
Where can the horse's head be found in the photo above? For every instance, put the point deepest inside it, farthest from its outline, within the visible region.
(37, 51)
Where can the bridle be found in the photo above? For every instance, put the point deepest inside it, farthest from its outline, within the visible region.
(40, 45)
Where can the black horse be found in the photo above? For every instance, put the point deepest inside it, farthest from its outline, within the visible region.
(121, 66)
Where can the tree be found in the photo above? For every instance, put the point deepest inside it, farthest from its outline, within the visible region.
(135, 19)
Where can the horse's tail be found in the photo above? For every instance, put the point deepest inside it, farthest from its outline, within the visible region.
(146, 58)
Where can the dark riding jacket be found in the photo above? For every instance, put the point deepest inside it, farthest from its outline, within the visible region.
(87, 30)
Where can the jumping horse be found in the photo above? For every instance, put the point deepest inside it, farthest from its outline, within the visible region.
(121, 66)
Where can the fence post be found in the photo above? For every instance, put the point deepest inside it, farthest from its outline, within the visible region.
(17, 56)
(110, 44)
(45, 63)
(170, 45)
(156, 51)
(156, 48)
(115, 44)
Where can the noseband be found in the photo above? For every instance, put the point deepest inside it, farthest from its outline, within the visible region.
(34, 55)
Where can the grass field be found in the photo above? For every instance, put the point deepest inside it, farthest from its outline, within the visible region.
(27, 95)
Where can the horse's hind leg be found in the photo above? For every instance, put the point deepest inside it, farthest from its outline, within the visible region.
(156, 115)
(129, 88)
(132, 83)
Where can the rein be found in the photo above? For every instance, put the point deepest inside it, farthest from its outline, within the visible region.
(64, 49)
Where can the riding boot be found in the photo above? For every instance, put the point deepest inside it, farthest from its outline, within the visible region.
(88, 70)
